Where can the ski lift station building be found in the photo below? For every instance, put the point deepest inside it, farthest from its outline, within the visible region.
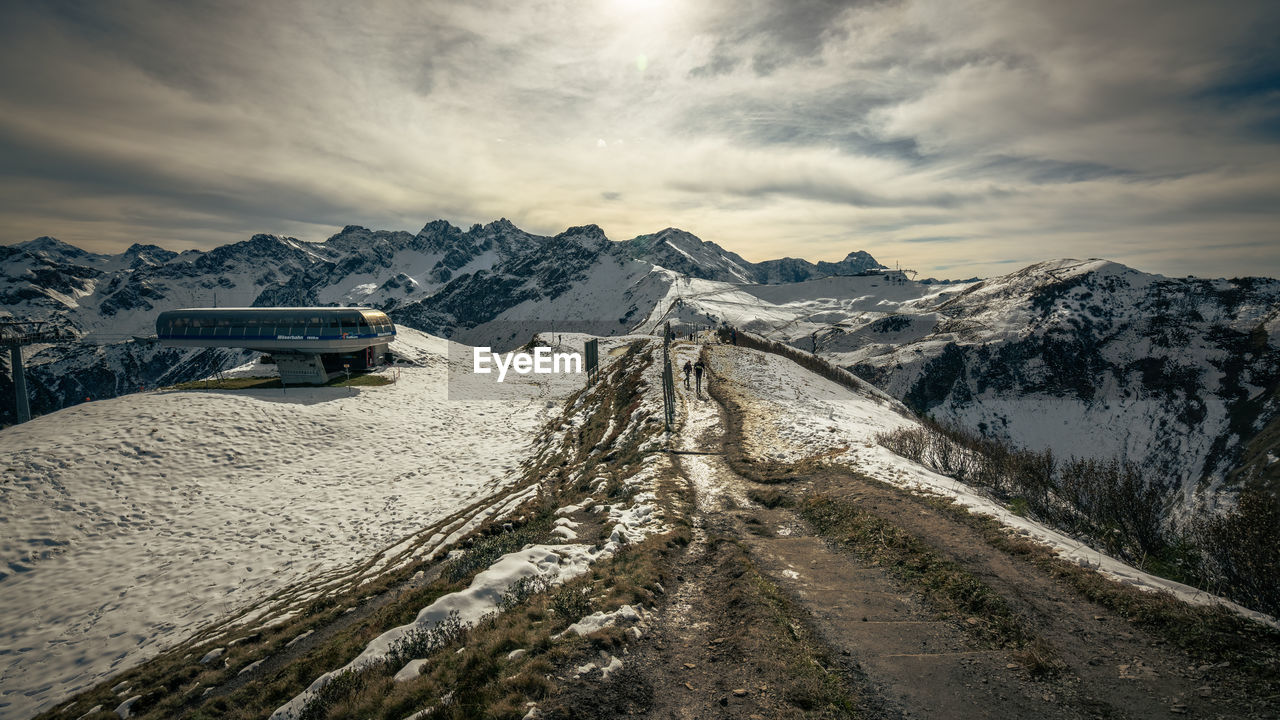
(311, 345)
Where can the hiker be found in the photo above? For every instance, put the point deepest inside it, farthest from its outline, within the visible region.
(688, 368)
(698, 367)
(733, 335)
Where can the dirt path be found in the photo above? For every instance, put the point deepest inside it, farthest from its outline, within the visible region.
(723, 644)
(695, 659)
(892, 651)
(921, 667)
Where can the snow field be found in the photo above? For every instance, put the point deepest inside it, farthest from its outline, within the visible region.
(127, 524)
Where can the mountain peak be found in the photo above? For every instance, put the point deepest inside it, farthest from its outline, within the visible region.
(45, 243)
(684, 252)
(589, 236)
(588, 229)
(438, 226)
(501, 224)
(669, 231)
(140, 255)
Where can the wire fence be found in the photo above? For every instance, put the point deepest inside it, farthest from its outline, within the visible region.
(809, 361)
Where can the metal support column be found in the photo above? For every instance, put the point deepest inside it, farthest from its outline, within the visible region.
(21, 406)
(15, 334)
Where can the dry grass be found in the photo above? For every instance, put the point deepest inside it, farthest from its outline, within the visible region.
(783, 645)
(948, 588)
(1209, 634)
(770, 497)
(268, 383)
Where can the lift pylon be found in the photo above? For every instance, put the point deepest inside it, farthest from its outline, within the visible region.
(14, 334)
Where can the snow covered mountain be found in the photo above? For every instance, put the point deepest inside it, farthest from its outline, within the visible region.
(1091, 359)
(1097, 359)
(688, 255)
(1086, 358)
(576, 280)
(492, 284)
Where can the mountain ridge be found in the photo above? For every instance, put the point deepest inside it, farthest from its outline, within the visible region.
(1068, 334)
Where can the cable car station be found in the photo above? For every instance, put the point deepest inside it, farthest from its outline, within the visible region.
(311, 345)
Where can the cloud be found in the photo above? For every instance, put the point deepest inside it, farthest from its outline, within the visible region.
(936, 239)
(936, 131)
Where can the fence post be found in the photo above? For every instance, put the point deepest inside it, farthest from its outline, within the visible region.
(668, 380)
(593, 359)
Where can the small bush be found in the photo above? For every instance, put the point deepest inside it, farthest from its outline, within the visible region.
(522, 590)
(422, 642)
(486, 550)
(1240, 550)
(1117, 507)
(770, 497)
(342, 686)
(571, 603)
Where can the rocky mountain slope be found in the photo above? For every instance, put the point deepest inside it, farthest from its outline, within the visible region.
(1098, 359)
(493, 283)
(688, 255)
(1087, 358)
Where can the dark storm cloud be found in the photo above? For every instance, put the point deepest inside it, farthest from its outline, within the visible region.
(233, 115)
(1251, 88)
(718, 65)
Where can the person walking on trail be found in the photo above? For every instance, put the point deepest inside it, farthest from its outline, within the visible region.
(698, 367)
(733, 335)
(688, 368)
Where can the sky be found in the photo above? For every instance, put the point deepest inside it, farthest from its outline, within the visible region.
(955, 137)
